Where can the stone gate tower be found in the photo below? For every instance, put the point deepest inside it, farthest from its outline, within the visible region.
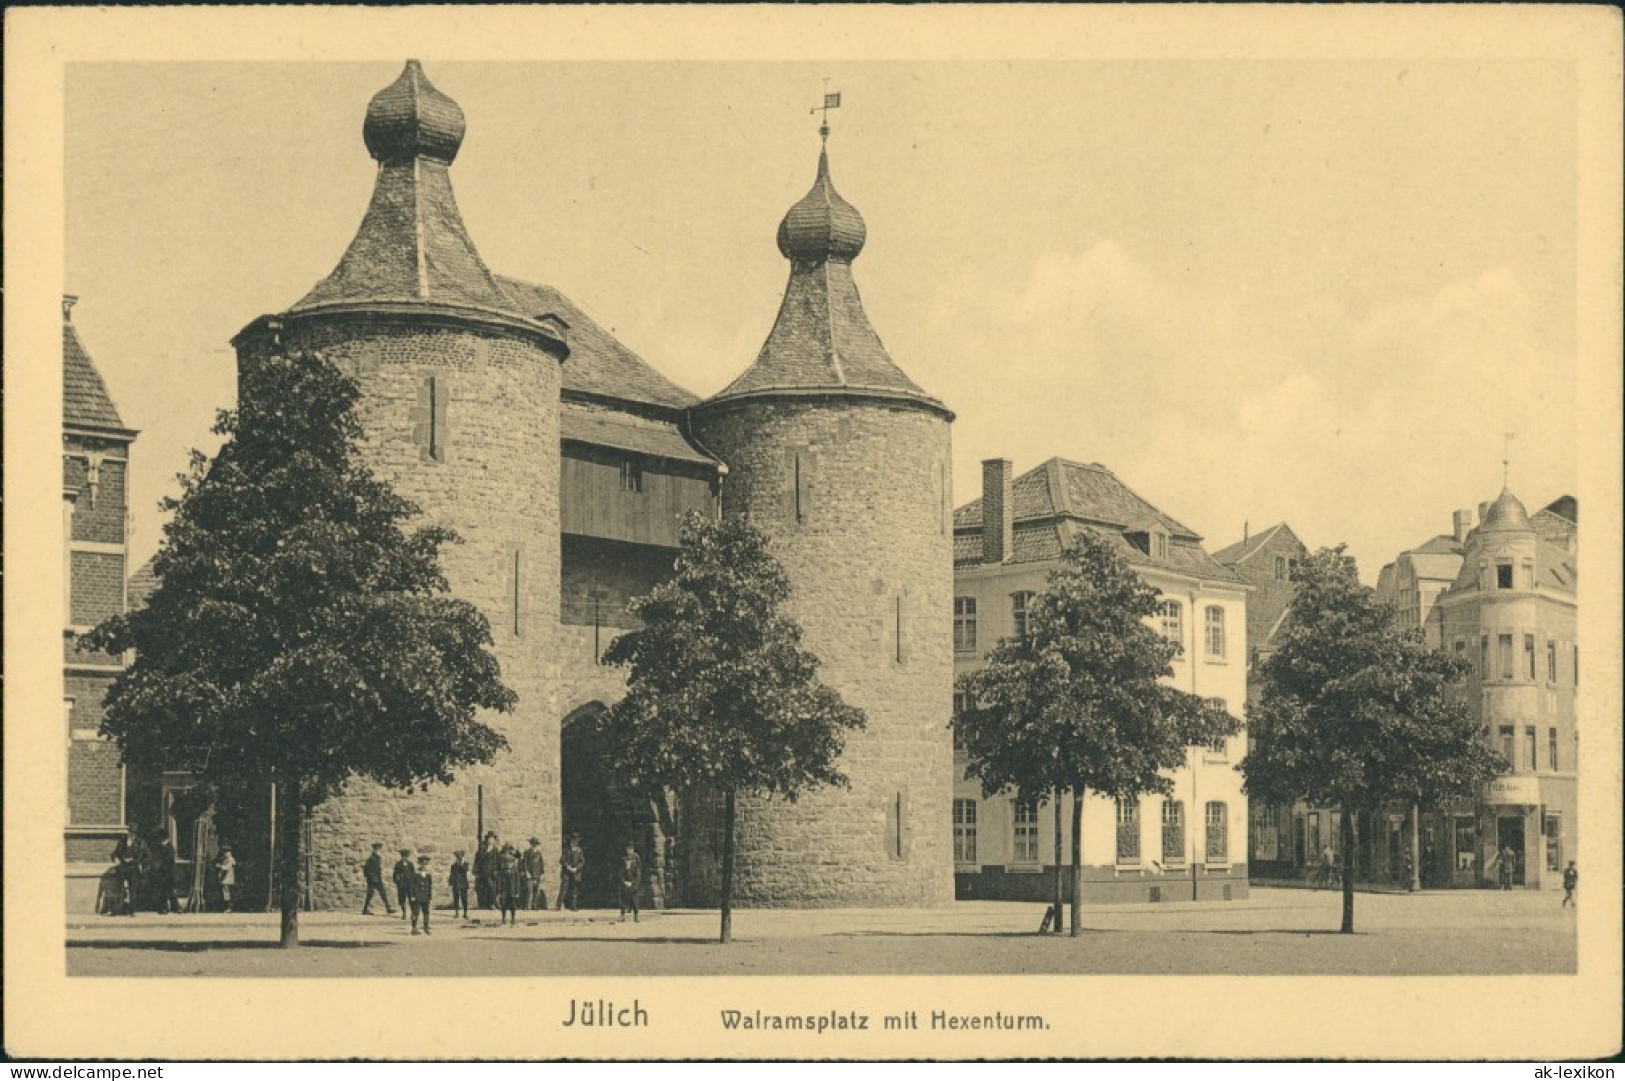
(460, 406)
(844, 462)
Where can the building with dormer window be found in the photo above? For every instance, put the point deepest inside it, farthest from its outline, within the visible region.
(1188, 845)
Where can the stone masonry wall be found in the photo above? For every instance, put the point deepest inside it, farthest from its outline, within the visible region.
(487, 467)
(868, 547)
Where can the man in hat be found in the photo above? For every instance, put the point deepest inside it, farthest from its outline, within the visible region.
(485, 870)
(631, 881)
(373, 871)
(130, 856)
(532, 866)
(458, 881)
(573, 865)
(422, 894)
(507, 883)
(163, 874)
(402, 876)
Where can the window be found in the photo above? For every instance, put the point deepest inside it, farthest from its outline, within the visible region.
(1526, 576)
(964, 831)
(1171, 622)
(1159, 545)
(1529, 748)
(1484, 657)
(1505, 642)
(1508, 751)
(1529, 657)
(1461, 649)
(429, 419)
(1019, 604)
(1280, 568)
(798, 486)
(1551, 661)
(964, 624)
(1466, 843)
(961, 703)
(1217, 746)
(1173, 831)
(1551, 749)
(1554, 841)
(631, 477)
(1024, 832)
(1215, 631)
(1503, 576)
(1291, 569)
(1128, 831)
(1218, 840)
(1576, 666)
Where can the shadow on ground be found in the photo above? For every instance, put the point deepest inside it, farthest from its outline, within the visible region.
(170, 946)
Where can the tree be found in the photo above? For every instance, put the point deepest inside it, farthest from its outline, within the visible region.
(1354, 712)
(1079, 704)
(299, 633)
(720, 695)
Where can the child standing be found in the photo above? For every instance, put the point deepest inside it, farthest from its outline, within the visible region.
(422, 894)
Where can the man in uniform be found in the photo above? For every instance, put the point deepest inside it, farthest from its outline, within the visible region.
(403, 875)
(533, 865)
(572, 866)
(373, 870)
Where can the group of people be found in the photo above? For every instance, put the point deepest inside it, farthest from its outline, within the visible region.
(502, 877)
(146, 876)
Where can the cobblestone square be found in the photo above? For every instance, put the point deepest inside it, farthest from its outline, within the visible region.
(1275, 932)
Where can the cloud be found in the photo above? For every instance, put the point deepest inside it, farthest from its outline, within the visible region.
(1355, 420)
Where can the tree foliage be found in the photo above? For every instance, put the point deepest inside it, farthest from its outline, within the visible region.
(721, 696)
(299, 631)
(1080, 701)
(1355, 712)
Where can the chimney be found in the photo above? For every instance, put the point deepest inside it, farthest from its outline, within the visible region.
(68, 301)
(998, 511)
(1463, 522)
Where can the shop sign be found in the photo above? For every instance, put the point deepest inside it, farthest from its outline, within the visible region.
(1519, 790)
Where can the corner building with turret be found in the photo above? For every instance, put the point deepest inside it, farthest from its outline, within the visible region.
(566, 463)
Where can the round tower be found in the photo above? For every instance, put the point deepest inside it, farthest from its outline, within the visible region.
(460, 406)
(844, 462)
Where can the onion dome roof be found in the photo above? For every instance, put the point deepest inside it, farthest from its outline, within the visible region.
(822, 225)
(822, 344)
(409, 118)
(1506, 515)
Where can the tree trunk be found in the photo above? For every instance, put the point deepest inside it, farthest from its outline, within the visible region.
(728, 867)
(1077, 859)
(1060, 891)
(1347, 840)
(289, 885)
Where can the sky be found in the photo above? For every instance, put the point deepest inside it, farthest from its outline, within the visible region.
(1256, 290)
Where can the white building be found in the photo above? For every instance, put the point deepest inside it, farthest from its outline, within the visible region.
(1190, 844)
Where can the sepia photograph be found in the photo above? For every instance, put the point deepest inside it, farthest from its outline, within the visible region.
(764, 533)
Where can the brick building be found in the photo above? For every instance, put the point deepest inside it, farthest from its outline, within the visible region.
(95, 512)
(1278, 838)
(566, 463)
(1156, 848)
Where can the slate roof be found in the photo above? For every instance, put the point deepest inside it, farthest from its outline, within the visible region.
(598, 364)
(85, 401)
(1235, 553)
(822, 343)
(1558, 522)
(601, 427)
(1054, 502)
(412, 249)
(1082, 490)
(1443, 544)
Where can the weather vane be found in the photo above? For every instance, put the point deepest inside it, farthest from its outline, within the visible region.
(831, 101)
(1506, 458)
